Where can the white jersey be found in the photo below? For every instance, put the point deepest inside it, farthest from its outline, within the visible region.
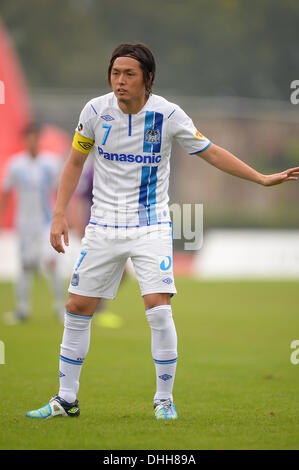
(132, 158)
(34, 179)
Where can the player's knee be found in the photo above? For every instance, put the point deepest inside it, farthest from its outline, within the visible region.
(78, 306)
(155, 300)
(159, 317)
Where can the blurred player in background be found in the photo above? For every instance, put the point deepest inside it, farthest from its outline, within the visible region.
(130, 133)
(34, 176)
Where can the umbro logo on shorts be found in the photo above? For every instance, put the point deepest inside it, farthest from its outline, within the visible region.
(167, 280)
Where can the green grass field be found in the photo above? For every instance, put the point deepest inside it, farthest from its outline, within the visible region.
(235, 387)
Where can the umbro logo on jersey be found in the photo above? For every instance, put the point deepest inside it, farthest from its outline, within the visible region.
(61, 374)
(107, 117)
(85, 145)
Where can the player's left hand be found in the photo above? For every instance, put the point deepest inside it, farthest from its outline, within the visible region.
(277, 178)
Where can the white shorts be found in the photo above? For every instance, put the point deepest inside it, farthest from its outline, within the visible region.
(104, 252)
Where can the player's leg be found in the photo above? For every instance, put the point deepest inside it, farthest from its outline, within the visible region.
(153, 265)
(23, 286)
(50, 266)
(58, 288)
(164, 351)
(96, 275)
(75, 343)
(27, 258)
(52, 272)
(73, 350)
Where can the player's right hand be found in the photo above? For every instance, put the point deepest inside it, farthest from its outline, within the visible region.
(59, 228)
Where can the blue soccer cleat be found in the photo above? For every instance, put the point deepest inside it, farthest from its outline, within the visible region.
(56, 407)
(165, 409)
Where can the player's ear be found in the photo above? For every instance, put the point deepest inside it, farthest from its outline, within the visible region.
(148, 85)
(150, 79)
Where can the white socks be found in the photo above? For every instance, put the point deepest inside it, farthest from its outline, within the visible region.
(74, 347)
(75, 344)
(164, 349)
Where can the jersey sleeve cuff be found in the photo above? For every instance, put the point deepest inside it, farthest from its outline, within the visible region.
(201, 150)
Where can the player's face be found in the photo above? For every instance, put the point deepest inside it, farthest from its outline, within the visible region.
(127, 80)
(32, 142)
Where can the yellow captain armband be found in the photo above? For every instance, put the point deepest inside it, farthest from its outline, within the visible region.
(81, 143)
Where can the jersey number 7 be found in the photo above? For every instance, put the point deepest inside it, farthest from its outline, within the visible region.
(107, 127)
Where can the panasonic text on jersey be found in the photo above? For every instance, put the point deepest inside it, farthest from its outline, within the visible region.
(130, 158)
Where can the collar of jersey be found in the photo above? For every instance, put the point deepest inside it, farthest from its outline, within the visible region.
(115, 102)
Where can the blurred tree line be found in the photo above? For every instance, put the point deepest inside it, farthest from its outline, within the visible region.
(204, 47)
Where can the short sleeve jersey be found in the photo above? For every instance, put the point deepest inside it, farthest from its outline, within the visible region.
(34, 179)
(132, 157)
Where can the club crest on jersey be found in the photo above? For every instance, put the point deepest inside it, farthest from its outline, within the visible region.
(153, 124)
(153, 136)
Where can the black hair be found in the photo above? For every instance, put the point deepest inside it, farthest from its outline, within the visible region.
(145, 57)
(32, 128)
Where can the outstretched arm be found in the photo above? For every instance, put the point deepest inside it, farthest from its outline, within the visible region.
(227, 162)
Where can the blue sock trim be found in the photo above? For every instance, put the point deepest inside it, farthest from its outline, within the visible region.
(77, 362)
(87, 317)
(170, 361)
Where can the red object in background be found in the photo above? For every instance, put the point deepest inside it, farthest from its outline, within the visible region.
(183, 263)
(56, 140)
(16, 114)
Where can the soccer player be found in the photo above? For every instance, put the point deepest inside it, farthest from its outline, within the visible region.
(34, 175)
(130, 132)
